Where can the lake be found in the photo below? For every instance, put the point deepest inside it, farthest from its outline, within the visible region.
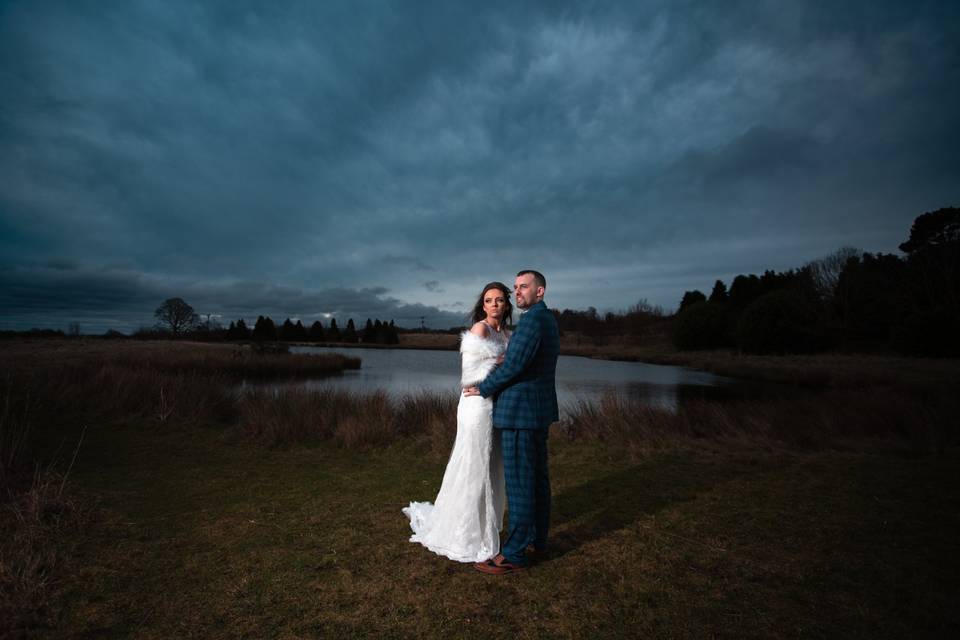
(408, 371)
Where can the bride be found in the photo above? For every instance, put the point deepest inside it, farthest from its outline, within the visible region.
(464, 523)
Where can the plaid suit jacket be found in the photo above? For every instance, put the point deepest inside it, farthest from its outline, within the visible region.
(524, 386)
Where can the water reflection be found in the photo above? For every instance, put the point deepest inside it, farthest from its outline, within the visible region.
(406, 371)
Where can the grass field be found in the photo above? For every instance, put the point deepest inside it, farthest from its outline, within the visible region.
(199, 526)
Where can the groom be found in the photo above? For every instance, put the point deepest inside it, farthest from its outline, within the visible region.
(525, 404)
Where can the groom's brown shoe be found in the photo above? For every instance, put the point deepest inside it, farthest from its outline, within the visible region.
(498, 566)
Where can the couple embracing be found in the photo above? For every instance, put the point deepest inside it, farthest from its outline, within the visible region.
(508, 402)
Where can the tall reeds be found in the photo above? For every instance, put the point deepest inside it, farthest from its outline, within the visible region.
(167, 383)
(281, 417)
(904, 418)
(238, 363)
(14, 430)
(35, 508)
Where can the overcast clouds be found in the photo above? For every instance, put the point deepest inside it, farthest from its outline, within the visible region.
(387, 159)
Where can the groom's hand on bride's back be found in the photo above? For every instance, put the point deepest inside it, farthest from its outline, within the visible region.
(471, 391)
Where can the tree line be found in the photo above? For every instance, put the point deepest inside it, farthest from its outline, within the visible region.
(850, 300)
(177, 318)
(374, 332)
(639, 321)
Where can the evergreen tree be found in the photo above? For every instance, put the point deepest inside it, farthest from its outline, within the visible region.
(368, 335)
(933, 274)
(334, 331)
(879, 298)
(392, 336)
(243, 332)
(300, 332)
(286, 331)
(264, 330)
(719, 293)
(689, 298)
(316, 332)
(350, 333)
(744, 290)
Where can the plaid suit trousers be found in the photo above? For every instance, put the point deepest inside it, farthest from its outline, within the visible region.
(528, 491)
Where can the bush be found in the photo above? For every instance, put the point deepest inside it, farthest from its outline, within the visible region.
(780, 322)
(702, 325)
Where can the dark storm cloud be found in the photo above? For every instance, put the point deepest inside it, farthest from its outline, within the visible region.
(56, 294)
(305, 157)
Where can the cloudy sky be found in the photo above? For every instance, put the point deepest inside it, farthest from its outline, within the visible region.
(386, 159)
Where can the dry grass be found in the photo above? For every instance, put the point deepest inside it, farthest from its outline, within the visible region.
(854, 419)
(34, 520)
(776, 518)
(14, 430)
(165, 382)
(822, 371)
(234, 361)
(35, 511)
(442, 341)
(206, 540)
(355, 421)
(819, 371)
(112, 390)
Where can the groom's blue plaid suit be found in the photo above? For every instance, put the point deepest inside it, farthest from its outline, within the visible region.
(525, 404)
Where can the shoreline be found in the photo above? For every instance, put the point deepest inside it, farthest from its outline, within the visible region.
(819, 370)
(813, 371)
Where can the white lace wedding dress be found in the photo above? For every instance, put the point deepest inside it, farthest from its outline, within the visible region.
(464, 524)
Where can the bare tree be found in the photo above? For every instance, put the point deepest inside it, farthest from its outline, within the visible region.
(826, 271)
(176, 315)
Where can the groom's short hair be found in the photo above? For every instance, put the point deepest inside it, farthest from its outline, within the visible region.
(537, 277)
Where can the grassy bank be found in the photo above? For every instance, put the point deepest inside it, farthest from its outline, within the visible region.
(824, 513)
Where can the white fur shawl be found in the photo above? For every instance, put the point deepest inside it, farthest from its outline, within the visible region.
(478, 357)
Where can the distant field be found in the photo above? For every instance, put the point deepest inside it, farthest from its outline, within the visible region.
(831, 514)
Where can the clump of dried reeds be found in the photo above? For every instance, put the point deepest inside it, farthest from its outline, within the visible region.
(915, 419)
(237, 363)
(173, 384)
(115, 391)
(280, 417)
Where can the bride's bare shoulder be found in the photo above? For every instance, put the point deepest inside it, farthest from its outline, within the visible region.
(479, 329)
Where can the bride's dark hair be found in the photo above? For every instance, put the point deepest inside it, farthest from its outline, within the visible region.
(478, 312)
